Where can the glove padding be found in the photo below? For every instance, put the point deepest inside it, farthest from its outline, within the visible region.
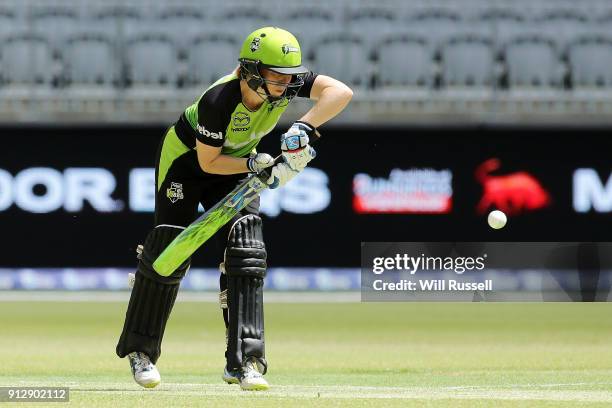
(280, 175)
(295, 148)
(259, 162)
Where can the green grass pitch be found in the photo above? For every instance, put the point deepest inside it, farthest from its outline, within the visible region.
(326, 355)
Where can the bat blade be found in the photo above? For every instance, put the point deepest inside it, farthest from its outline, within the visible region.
(199, 231)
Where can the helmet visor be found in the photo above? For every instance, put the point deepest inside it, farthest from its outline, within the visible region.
(288, 70)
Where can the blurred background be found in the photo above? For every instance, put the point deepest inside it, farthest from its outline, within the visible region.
(460, 107)
(409, 61)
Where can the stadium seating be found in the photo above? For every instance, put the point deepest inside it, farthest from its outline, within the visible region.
(301, 22)
(532, 62)
(341, 55)
(372, 25)
(152, 61)
(182, 24)
(27, 60)
(241, 21)
(562, 26)
(505, 24)
(210, 57)
(120, 21)
(468, 62)
(55, 24)
(406, 62)
(446, 23)
(590, 59)
(8, 24)
(90, 61)
(409, 48)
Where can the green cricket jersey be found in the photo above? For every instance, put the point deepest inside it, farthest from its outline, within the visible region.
(218, 118)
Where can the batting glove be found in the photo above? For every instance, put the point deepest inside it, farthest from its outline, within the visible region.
(294, 145)
(280, 175)
(259, 162)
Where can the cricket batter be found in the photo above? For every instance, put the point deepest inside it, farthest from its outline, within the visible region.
(202, 157)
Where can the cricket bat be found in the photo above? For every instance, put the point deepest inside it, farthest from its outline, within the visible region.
(199, 231)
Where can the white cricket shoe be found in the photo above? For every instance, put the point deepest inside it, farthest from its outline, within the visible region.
(144, 371)
(251, 379)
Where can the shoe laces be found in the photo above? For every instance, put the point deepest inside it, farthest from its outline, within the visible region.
(142, 362)
(250, 369)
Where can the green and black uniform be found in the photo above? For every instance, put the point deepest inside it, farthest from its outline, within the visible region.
(218, 118)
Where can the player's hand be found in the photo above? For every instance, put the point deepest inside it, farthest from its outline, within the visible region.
(259, 162)
(294, 145)
(280, 175)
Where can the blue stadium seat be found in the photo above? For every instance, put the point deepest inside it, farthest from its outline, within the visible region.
(182, 23)
(27, 59)
(342, 56)
(533, 62)
(590, 60)
(90, 60)
(241, 21)
(563, 26)
(602, 25)
(119, 21)
(405, 61)
(372, 25)
(152, 59)
(504, 24)
(210, 57)
(309, 24)
(9, 21)
(468, 62)
(436, 25)
(55, 24)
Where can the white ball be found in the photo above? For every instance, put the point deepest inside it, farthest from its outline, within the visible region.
(497, 219)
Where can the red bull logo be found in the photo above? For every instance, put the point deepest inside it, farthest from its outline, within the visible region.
(511, 193)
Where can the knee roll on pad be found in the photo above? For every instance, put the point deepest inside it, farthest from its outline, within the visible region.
(245, 267)
(245, 254)
(157, 240)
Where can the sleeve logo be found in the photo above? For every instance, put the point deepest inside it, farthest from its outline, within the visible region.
(212, 135)
(175, 192)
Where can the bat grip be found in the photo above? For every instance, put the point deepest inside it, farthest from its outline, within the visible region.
(277, 160)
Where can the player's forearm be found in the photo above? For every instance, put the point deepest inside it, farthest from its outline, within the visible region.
(331, 102)
(224, 164)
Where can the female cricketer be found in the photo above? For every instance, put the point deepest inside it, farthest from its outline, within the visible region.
(202, 157)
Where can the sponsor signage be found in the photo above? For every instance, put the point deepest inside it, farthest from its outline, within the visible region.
(591, 192)
(45, 190)
(84, 196)
(513, 193)
(409, 191)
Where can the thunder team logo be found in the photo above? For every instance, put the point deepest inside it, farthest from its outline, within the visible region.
(175, 192)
